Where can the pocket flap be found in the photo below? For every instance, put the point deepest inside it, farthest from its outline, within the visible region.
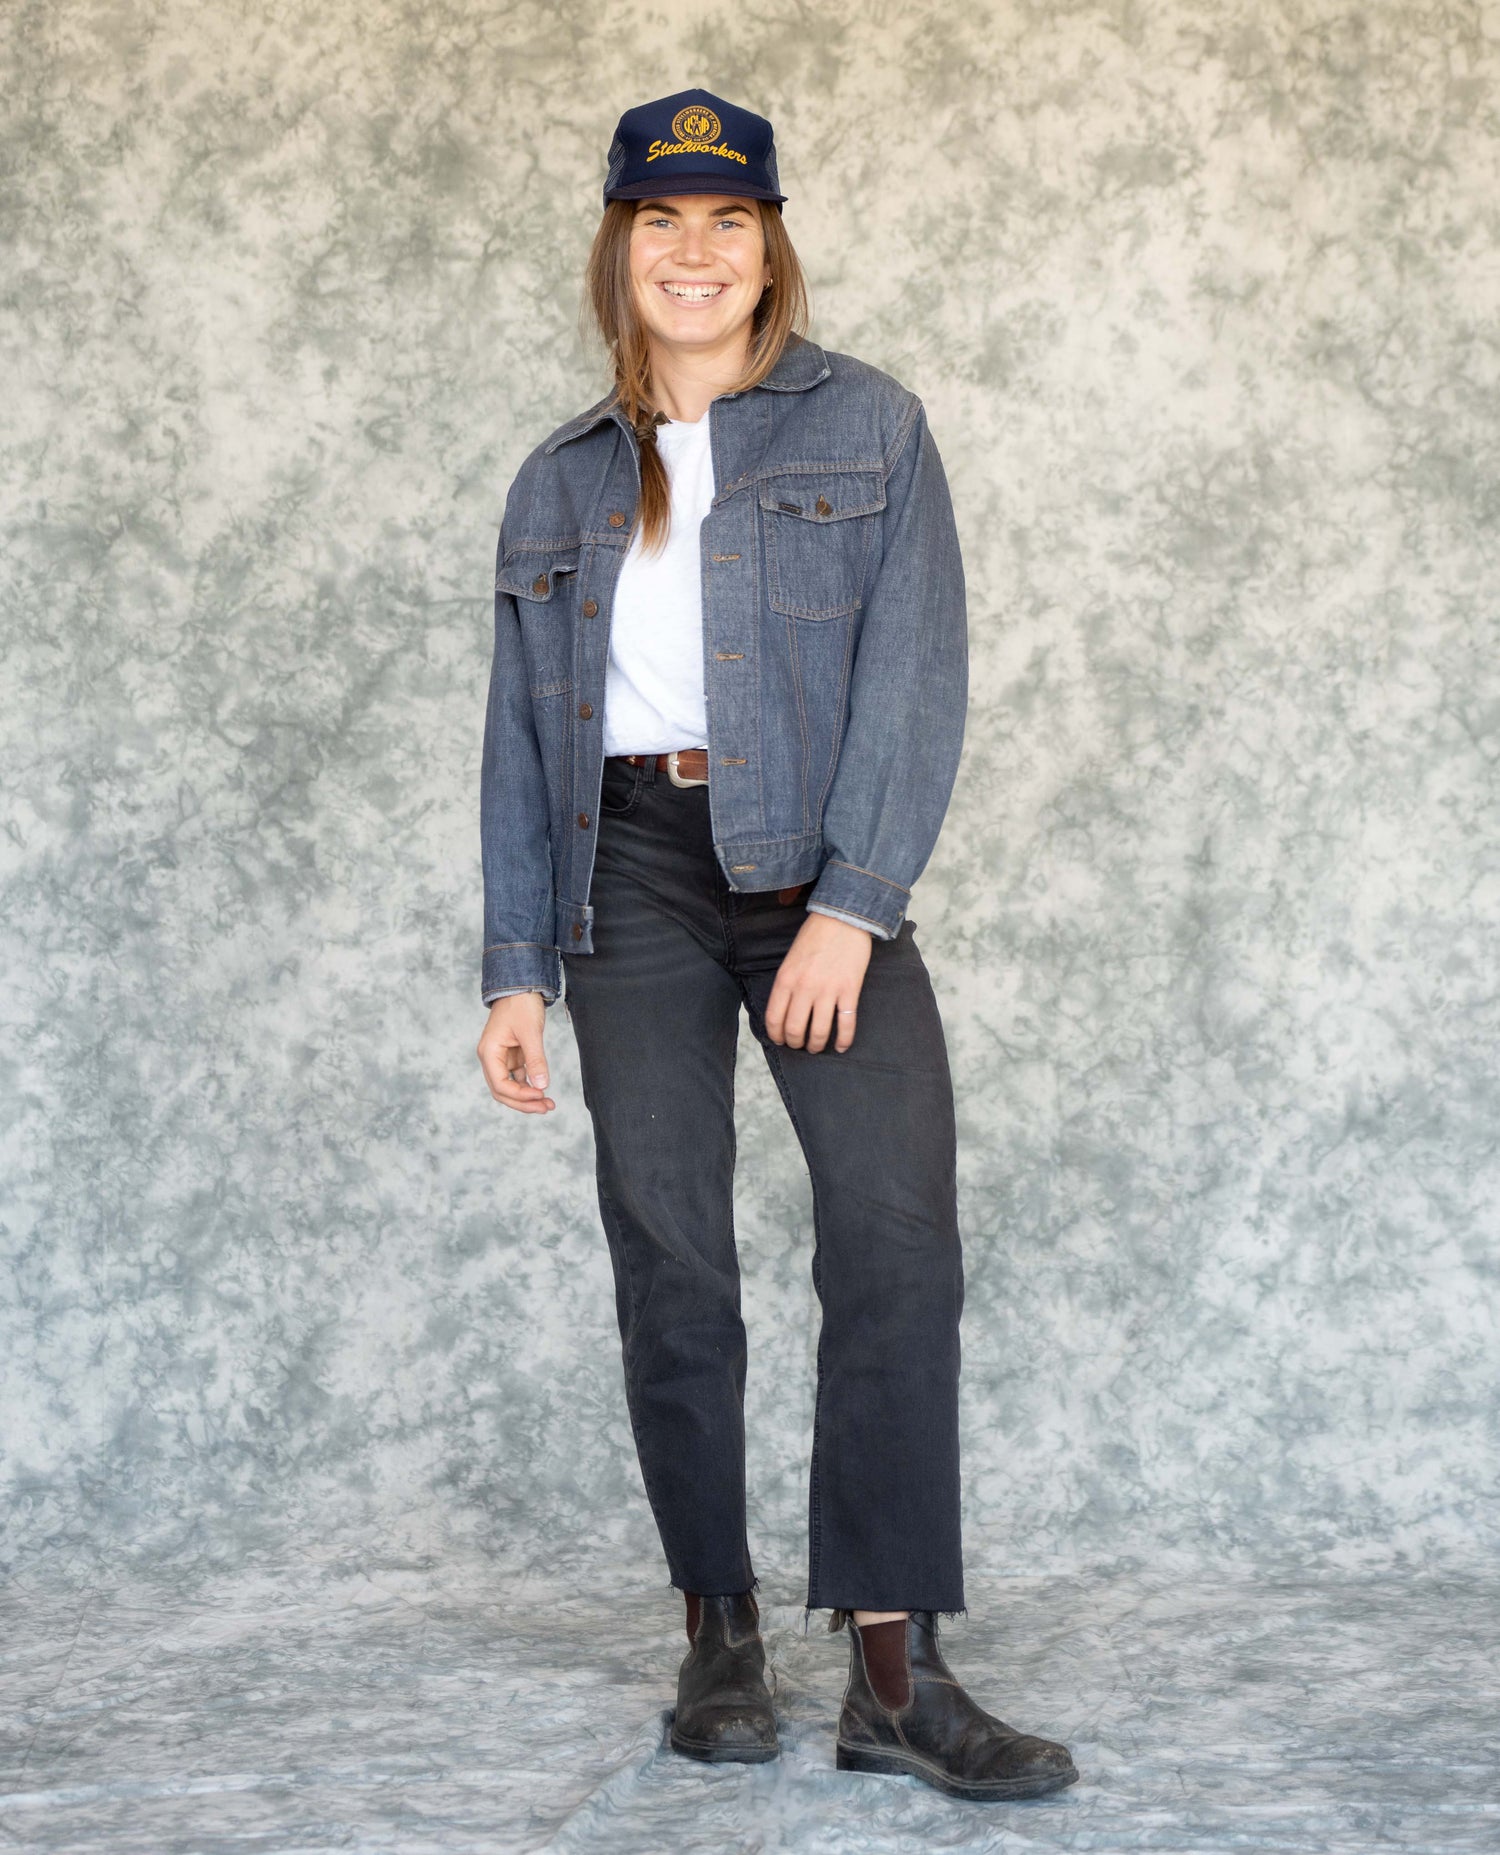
(823, 495)
(533, 574)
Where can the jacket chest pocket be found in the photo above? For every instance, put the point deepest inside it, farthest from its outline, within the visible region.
(544, 585)
(817, 528)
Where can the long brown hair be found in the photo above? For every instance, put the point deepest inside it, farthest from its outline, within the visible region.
(610, 301)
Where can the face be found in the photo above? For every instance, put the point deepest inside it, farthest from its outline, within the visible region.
(697, 266)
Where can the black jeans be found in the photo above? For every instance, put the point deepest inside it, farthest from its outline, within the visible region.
(655, 1009)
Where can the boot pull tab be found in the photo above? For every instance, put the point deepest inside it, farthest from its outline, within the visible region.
(838, 1619)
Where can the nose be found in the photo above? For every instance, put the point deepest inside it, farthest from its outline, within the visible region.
(690, 242)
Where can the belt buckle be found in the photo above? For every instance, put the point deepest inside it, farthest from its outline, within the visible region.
(680, 779)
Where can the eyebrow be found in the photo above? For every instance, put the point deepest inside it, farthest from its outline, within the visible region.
(661, 206)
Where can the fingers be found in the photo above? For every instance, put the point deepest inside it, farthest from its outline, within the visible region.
(533, 1061)
(515, 1091)
(831, 1021)
(513, 1060)
(810, 1020)
(819, 1024)
(505, 1073)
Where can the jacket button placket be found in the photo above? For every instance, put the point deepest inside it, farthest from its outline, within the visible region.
(590, 663)
(730, 639)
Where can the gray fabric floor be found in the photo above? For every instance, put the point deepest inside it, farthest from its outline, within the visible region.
(441, 1706)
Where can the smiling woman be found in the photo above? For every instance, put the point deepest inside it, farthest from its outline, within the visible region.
(688, 276)
(725, 716)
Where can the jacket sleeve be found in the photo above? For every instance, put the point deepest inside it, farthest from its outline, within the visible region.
(907, 706)
(520, 951)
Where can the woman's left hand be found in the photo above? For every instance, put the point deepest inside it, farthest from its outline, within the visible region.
(817, 985)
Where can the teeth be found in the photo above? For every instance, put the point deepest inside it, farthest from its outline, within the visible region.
(694, 292)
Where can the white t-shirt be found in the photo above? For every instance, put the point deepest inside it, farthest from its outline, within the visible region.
(653, 683)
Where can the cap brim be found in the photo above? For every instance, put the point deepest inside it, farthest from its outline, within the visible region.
(668, 184)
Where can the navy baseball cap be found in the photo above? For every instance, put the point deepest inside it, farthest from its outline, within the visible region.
(692, 142)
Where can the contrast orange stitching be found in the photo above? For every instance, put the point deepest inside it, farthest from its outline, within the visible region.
(854, 866)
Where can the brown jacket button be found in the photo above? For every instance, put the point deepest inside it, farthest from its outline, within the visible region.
(823, 506)
(578, 930)
(585, 709)
(583, 821)
(539, 584)
(616, 520)
(590, 607)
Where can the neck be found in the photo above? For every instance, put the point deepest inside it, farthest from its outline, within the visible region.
(684, 383)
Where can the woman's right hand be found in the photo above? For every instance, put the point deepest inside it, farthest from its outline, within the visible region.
(512, 1041)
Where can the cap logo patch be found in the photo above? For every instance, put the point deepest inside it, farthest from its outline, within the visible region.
(696, 123)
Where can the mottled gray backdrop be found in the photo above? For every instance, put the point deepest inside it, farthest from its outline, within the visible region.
(1201, 297)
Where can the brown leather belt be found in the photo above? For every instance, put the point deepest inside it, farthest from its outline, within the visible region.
(688, 766)
(684, 766)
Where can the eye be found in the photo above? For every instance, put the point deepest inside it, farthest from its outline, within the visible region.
(735, 225)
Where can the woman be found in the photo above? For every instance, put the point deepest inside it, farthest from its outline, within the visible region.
(724, 722)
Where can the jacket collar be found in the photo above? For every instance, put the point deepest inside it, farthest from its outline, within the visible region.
(802, 364)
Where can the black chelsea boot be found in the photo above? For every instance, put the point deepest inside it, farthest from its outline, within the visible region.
(905, 1713)
(724, 1709)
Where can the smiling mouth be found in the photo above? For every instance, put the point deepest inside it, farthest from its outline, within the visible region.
(691, 292)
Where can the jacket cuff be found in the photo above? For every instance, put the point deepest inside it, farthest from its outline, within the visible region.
(869, 901)
(522, 966)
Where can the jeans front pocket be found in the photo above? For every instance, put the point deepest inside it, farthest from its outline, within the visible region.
(620, 790)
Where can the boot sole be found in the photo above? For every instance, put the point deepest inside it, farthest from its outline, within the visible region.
(713, 1754)
(912, 1765)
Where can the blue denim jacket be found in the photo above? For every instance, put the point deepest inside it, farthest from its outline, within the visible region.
(835, 657)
